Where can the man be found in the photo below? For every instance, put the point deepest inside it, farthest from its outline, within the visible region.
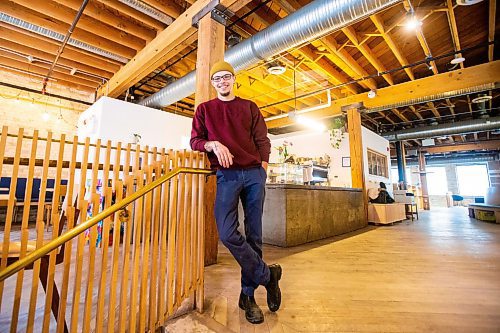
(232, 131)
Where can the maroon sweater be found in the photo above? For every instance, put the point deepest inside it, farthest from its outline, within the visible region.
(237, 124)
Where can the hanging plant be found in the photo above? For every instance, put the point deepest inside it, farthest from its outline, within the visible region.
(336, 131)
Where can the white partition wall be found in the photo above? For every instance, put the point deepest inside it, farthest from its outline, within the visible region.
(116, 120)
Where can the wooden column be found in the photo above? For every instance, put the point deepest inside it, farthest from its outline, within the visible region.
(356, 150)
(210, 50)
(423, 180)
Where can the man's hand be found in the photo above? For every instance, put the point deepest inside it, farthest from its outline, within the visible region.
(264, 165)
(223, 154)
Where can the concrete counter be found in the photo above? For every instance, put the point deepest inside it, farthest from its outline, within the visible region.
(298, 214)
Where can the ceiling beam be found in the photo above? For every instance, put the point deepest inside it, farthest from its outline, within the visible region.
(127, 10)
(24, 37)
(166, 45)
(49, 18)
(379, 24)
(453, 28)
(415, 112)
(433, 109)
(168, 7)
(332, 45)
(24, 51)
(367, 53)
(427, 86)
(110, 17)
(480, 145)
(491, 28)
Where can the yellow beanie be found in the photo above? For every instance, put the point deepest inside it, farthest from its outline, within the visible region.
(221, 66)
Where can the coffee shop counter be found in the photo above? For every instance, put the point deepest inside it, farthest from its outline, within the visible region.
(298, 214)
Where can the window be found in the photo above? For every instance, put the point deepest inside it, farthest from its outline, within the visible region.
(472, 179)
(436, 180)
(410, 174)
(377, 164)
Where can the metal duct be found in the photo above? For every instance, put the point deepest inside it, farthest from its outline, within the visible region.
(454, 160)
(318, 18)
(436, 97)
(59, 37)
(462, 127)
(148, 10)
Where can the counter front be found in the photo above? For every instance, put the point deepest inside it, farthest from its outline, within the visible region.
(298, 214)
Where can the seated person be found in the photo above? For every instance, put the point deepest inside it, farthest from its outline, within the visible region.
(383, 196)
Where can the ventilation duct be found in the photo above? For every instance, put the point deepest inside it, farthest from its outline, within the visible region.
(436, 97)
(317, 19)
(59, 37)
(449, 160)
(462, 127)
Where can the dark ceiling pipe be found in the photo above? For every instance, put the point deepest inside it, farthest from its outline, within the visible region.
(457, 128)
(63, 45)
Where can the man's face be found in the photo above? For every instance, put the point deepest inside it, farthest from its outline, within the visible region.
(223, 82)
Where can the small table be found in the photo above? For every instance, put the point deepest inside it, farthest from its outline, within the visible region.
(409, 209)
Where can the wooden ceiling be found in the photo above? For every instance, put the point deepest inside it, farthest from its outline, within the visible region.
(111, 32)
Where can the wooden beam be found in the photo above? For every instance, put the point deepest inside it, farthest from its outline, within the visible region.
(367, 53)
(111, 18)
(400, 115)
(356, 154)
(168, 7)
(47, 45)
(332, 45)
(178, 35)
(423, 181)
(480, 145)
(379, 24)
(415, 112)
(45, 20)
(41, 69)
(451, 106)
(24, 51)
(453, 28)
(210, 50)
(127, 10)
(491, 28)
(436, 84)
(339, 78)
(433, 109)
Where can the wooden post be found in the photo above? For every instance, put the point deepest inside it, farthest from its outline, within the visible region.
(423, 180)
(210, 50)
(356, 151)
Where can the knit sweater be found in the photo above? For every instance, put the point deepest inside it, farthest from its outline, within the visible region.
(237, 124)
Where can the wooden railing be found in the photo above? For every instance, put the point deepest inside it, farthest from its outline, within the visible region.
(123, 257)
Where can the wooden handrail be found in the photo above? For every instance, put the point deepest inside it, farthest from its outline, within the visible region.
(70, 234)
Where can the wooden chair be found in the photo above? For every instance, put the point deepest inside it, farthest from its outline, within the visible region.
(15, 250)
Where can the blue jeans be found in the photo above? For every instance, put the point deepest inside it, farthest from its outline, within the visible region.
(249, 186)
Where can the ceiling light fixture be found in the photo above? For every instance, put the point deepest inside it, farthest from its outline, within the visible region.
(276, 68)
(412, 23)
(372, 94)
(457, 60)
(481, 99)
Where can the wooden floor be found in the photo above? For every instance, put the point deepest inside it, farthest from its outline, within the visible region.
(438, 274)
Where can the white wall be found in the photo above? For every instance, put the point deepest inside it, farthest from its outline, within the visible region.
(314, 144)
(116, 120)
